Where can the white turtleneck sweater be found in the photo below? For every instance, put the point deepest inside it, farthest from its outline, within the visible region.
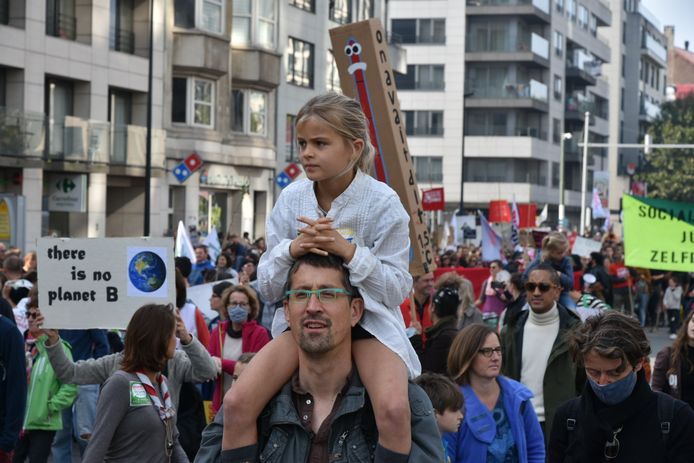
(539, 334)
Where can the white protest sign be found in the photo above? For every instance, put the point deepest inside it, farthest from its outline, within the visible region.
(200, 295)
(584, 246)
(100, 282)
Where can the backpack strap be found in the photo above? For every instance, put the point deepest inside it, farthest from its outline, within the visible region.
(666, 412)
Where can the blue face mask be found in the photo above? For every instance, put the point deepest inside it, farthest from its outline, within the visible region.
(238, 314)
(614, 393)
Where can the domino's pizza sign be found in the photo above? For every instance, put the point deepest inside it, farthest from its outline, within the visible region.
(289, 173)
(187, 167)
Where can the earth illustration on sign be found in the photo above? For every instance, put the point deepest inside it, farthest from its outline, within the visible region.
(147, 271)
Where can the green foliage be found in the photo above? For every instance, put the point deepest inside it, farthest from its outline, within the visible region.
(670, 172)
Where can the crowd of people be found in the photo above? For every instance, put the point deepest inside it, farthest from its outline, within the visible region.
(308, 358)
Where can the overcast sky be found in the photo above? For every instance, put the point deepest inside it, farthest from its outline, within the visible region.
(679, 13)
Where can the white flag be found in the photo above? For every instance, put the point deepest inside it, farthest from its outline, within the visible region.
(183, 248)
(212, 243)
(543, 216)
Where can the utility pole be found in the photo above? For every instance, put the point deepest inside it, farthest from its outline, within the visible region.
(584, 173)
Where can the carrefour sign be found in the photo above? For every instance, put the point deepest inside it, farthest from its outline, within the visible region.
(67, 193)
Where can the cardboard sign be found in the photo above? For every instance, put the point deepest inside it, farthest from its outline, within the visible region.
(361, 55)
(583, 246)
(658, 234)
(100, 282)
(200, 295)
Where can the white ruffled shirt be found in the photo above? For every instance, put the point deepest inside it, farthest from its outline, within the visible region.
(369, 214)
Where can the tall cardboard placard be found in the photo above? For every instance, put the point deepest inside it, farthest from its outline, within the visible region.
(363, 62)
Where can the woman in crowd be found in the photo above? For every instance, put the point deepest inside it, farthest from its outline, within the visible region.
(440, 335)
(491, 300)
(47, 395)
(674, 366)
(135, 414)
(467, 312)
(216, 303)
(238, 332)
(500, 424)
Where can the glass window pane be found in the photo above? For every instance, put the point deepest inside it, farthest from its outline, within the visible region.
(184, 13)
(290, 147)
(212, 17)
(237, 107)
(242, 7)
(425, 31)
(405, 30)
(267, 9)
(203, 114)
(257, 107)
(241, 31)
(439, 31)
(203, 91)
(179, 100)
(266, 34)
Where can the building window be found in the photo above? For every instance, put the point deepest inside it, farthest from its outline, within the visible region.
(623, 66)
(571, 9)
(560, 5)
(593, 26)
(59, 105)
(429, 169)
(291, 151)
(340, 11)
(427, 123)
(193, 101)
(206, 15)
(421, 77)
(121, 32)
(365, 9)
(427, 30)
(332, 76)
(254, 23)
(306, 5)
(557, 87)
(299, 63)
(249, 112)
(555, 175)
(582, 17)
(558, 43)
(60, 19)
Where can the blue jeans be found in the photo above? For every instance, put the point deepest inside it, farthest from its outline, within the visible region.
(78, 420)
(643, 307)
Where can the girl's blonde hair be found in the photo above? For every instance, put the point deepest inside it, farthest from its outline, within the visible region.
(345, 116)
(463, 285)
(555, 241)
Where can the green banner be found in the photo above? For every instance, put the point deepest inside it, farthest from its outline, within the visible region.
(658, 234)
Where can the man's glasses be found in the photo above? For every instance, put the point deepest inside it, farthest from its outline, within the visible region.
(324, 295)
(612, 447)
(544, 287)
(489, 351)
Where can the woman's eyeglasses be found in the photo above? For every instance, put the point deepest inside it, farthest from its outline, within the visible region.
(544, 287)
(489, 351)
(31, 314)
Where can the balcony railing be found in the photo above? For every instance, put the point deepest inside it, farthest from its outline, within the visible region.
(522, 42)
(532, 89)
(584, 61)
(648, 109)
(542, 5)
(79, 140)
(128, 146)
(61, 25)
(653, 45)
(22, 133)
(122, 40)
(577, 102)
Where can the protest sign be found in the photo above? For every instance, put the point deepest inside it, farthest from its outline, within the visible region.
(658, 234)
(361, 55)
(101, 282)
(583, 246)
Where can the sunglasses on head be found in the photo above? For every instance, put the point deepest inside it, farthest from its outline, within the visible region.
(544, 287)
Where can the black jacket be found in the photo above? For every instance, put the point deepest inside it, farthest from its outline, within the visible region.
(434, 355)
(640, 439)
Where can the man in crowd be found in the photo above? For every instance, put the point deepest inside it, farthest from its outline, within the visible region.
(535, 348)
(202, 263)
(422, 291)
(618, 417)
(621, 284)
(13, 387)
(324, 408)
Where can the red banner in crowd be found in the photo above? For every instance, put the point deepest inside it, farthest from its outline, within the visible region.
(432, 200)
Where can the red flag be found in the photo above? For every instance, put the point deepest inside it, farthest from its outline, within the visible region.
(433, 199)
(193, 161)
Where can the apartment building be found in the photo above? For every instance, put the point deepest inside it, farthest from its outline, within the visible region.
(73, 93)
(637, 76)
(308, 66)
(73, 111)
(530, 68)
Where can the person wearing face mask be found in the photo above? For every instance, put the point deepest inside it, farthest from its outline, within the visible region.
(618, 418)
(237, 333)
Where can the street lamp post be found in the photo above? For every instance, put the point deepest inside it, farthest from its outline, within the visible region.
(148, 143)
(462, 158)
(564, 137)
(584, 172)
